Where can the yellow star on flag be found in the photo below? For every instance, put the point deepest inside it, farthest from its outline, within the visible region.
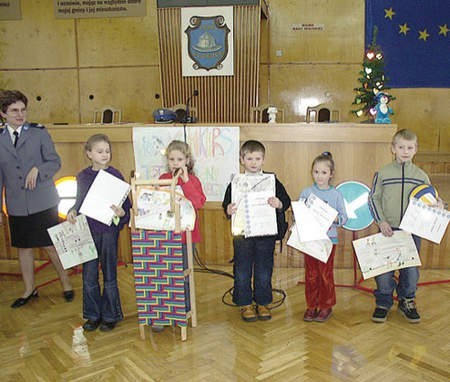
(443, 30)
(388, 13)
(423, 35)
(404, 29)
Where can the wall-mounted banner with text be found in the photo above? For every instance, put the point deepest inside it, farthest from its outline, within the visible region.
(10, 10)
(207, 41)
(83, 9)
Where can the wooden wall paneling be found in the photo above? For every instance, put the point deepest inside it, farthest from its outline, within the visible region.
(57, 90)
(426, 112)
(129, 89)
(337, 42)
(118, 42)
(294, 87)
(38, 40)
(221, 98)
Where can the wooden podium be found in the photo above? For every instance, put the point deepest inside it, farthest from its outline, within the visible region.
(161, 276)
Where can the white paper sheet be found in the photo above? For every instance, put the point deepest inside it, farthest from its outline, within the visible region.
(379, 254)
(242, 184)
(153, 209)
(319, 249)
(260, 217)
(313, 217)
(424, 221)
(73, 242)
(105, 191)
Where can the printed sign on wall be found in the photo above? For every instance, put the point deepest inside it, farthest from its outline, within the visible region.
(99, 8)
(207, 41)
(10, 10)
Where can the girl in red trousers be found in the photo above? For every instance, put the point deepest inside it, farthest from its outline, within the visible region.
(319, 280)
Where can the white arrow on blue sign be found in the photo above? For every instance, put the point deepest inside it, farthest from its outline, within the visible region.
(356, 196)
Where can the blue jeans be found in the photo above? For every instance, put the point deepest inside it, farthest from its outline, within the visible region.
(405, 287)
(253, 256)
(106, 306)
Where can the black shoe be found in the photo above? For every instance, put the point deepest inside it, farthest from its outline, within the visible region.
(380, 314)
(407, 308)
(22, 301)
(107, 326)
(90, 326)
(68, 295)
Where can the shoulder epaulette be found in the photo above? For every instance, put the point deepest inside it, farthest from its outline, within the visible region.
(38, 125)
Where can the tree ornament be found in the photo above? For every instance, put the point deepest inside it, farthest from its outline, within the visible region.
(370, 55)
(382, 110)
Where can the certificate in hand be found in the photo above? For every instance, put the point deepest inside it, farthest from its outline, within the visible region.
(425, 221)
(313, 218)
(260, 217)
(319, 249)
(106, 190)
(241, 185)
(379, 254)
(73, 242)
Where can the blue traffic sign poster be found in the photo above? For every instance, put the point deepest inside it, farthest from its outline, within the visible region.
(356, 196)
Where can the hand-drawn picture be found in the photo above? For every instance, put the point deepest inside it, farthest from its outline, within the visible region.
(379, 254)
(215, 150)
(73, 242)
(154, 210)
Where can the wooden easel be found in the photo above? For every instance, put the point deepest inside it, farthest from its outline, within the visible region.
(175, 209)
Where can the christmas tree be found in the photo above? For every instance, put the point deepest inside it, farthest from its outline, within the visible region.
(372, 80)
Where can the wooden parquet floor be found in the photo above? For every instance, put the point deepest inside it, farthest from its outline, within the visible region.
(36, 341)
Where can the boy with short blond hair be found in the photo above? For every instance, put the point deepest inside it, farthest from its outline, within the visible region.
(388, 201)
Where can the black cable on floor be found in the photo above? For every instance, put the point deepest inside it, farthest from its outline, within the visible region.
(205, 269)
(274, 304)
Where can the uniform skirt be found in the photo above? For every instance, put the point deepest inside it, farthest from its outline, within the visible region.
(31, 231)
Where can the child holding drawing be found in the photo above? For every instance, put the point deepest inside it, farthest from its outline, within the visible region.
(102, 309)
(388, 200)
(253, 256)
(320, 291)
(180, 163)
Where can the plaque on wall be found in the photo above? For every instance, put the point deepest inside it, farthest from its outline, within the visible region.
(10, 10)
(99, 9)
(207, 41)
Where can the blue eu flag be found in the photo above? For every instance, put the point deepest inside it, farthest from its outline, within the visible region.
(414, 36)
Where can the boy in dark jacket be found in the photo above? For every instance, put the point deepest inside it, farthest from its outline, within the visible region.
(254, 255)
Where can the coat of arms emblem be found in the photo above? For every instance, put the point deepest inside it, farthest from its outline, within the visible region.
(207, 41)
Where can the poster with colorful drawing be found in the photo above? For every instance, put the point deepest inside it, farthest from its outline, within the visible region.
(379, 254)
(73, 242)
(215, 150)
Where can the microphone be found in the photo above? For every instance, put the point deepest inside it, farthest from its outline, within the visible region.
(187, 118)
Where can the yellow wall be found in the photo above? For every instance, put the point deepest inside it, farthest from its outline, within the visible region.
(117, 61)
(65, 61)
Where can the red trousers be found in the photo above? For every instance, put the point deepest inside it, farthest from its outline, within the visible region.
(319, 282)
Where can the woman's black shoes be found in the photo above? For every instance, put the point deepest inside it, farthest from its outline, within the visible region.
(22, 301)
(68, 295)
